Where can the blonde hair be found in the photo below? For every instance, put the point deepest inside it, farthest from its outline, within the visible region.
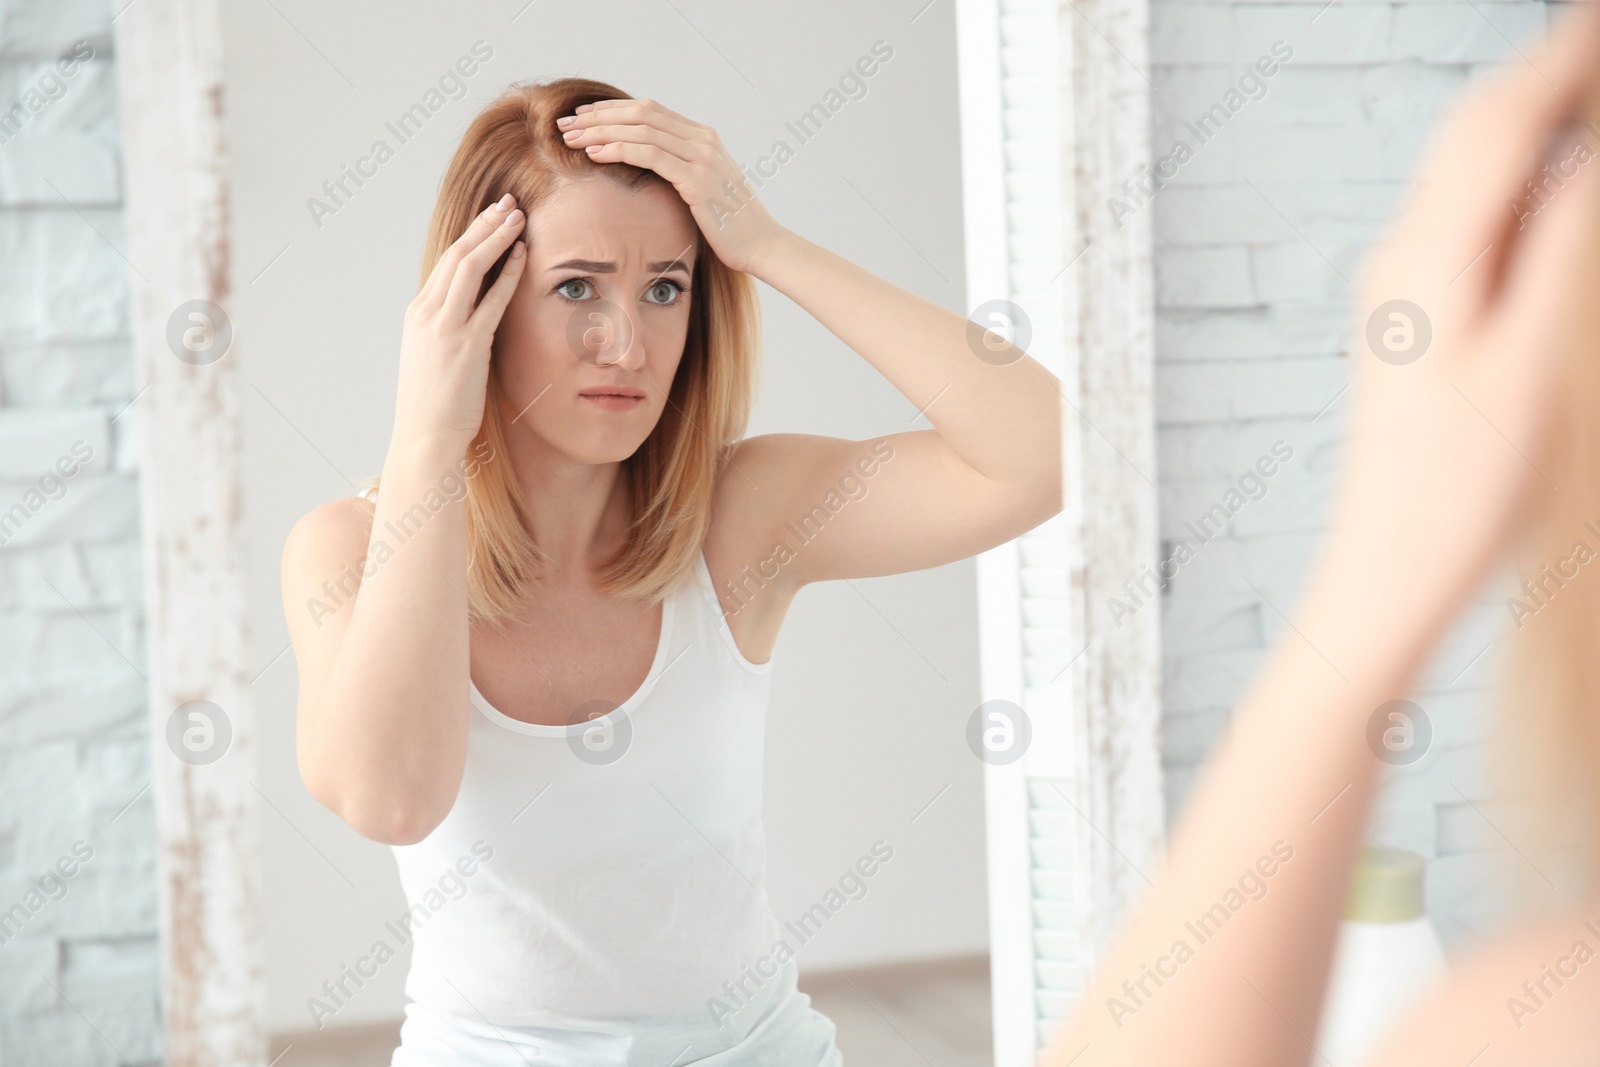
(513, 146)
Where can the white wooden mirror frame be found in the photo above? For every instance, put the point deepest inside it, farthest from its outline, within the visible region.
(1055, 116)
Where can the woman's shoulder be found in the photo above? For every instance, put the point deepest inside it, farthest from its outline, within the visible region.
(338, 529)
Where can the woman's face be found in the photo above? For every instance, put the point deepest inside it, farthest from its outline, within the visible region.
(604, 304)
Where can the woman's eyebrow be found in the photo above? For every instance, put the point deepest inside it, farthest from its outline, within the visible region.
(593, 266)
(597, 266)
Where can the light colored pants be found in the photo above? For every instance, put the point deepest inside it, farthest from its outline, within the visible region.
(789, 1033)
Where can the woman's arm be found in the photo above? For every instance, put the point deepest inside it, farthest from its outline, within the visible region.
(988, 471)
(1439, 467)
(1000, 413)
(376, 598)
(1225, 960)
(380, 730)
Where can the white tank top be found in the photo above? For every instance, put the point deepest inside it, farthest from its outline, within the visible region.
(611, 871)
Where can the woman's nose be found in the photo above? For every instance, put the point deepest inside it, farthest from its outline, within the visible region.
(604, 334)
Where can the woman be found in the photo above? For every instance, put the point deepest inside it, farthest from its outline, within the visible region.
(1457, 446)
(518, 672)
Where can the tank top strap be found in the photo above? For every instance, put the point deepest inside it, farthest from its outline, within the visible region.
(715, 619)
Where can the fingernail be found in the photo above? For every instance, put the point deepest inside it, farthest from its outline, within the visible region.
(591, 148)
(503, 203)
(581, 108)
(570, 134)
(566, 120)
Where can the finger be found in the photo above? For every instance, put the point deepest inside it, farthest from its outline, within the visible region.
(468, 279)
(661, 119)
(1536, 342)
(646, 111)
(1494, 141)
(493, 304)
(602, 105)
(482, 225)
(1555, 260)
(664, 163)
(640, 134)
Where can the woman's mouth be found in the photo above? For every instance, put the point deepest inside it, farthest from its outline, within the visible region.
(620, 400)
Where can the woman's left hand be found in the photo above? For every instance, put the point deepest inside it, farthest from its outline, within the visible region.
(690, 156)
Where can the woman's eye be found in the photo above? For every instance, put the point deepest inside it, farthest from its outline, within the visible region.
(664, 292)
(574, 289)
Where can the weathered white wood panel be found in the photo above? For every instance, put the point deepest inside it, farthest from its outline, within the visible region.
(1106, 140)
(169, 71)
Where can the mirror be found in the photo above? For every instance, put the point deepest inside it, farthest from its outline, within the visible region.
(872, 802)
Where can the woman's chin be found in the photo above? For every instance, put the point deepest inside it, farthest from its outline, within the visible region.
(607, 448)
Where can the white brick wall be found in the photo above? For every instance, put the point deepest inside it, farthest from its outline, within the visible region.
(79, 978)
(1256, 239)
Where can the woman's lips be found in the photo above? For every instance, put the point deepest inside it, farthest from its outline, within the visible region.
(613, 402)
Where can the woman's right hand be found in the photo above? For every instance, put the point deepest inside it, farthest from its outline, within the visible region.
(1448, 431)
(381, 723)
(444, 349)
